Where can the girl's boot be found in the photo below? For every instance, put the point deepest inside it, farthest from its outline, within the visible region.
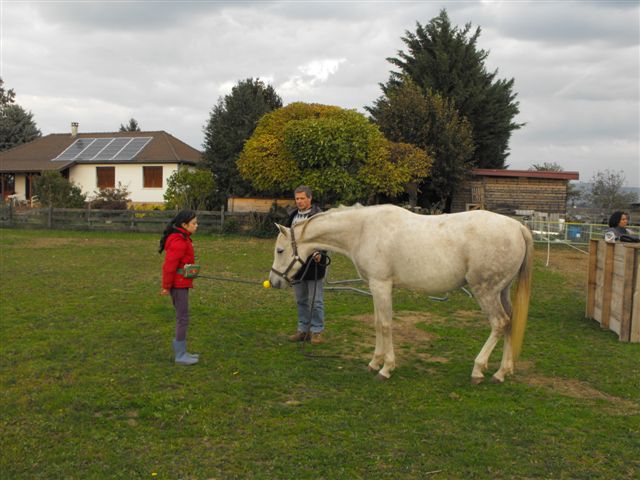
(181, 355)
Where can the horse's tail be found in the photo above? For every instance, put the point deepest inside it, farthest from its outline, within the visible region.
(522, 295)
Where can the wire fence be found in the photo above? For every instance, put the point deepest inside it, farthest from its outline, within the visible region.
(565, 232)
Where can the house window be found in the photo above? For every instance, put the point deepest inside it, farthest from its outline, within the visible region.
(152, 177)
(106, 177)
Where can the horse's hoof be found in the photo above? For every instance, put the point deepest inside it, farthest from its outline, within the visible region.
(371, 369)
(495, 379)
(477, 380)
(381, 378)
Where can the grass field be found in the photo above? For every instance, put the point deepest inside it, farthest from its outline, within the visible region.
(88, 388)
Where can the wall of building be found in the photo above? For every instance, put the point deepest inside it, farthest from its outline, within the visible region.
(20, 186)
(129, 176)
(508, 194)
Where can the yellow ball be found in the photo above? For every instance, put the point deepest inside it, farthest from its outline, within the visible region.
(266, 284)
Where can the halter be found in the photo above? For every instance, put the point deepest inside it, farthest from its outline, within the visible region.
(296, 258)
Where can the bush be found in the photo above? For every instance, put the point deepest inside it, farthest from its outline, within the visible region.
(111, 198)
(262, 225)
(189, 189)
(53, 190)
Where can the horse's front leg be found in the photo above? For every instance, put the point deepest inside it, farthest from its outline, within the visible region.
(378, 354)
(383, 312)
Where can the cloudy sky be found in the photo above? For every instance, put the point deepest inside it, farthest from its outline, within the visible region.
(576, 65)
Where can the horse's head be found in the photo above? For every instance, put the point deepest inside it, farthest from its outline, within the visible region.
(286, 259)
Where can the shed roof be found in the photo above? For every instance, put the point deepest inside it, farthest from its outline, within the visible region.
(37, 155)
(489, 172)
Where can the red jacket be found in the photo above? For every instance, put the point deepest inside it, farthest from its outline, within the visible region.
(179, 250)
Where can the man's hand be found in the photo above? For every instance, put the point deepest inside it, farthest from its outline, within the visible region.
(164, 291)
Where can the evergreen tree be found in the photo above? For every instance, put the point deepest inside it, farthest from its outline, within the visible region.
(445, 59)
(16, 126)
(231, 122)
(131, 127)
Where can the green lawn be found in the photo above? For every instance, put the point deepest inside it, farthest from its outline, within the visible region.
(88, 388)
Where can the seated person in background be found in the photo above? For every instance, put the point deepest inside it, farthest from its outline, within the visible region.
(618, 231)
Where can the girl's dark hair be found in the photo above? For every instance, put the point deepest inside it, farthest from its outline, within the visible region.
(614, 219)
(183, 216)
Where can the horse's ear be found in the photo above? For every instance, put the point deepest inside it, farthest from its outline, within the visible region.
(283, 230)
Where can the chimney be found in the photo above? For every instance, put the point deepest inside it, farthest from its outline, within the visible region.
(74, 129)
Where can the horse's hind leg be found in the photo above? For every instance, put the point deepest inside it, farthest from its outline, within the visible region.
(492, 306)
(506, 365)
(383, 312)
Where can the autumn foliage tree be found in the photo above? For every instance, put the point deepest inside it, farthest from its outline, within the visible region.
(430, 122)
(337, 152)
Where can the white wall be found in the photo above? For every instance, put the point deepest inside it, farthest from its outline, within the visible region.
(20, 186)
(129, 176)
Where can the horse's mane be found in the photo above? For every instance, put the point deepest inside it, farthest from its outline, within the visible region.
(340, 208)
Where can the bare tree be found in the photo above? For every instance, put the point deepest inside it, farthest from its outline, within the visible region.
(607, 191)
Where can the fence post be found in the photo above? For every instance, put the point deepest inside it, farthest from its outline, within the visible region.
(50, 216)
(133, 219)
(10, 213)
(88, 214)
(221, 218)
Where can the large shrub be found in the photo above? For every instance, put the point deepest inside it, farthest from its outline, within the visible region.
(111, 198)
(53, 190)
(189, 189)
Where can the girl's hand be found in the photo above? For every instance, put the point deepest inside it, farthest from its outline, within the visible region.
(164, 291)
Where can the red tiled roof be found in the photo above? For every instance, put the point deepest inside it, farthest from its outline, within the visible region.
(36, 156)
(488, 172)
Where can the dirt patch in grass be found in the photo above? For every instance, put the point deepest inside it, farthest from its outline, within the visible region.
(574, 265)
(409, 340)
(570, 387)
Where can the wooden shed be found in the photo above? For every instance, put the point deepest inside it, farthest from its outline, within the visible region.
(506, 191)
(263, 205)
(613, 293)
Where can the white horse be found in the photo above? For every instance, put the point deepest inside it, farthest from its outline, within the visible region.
(392, 246)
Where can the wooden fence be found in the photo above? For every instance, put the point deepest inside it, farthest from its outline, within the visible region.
(613, 292)
(129, 220)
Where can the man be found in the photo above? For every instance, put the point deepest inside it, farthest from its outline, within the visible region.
(310, 277)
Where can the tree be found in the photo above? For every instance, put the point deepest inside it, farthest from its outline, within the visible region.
(338, 153)
(16, 124)
(53, 190)
(607, 191)
(446, 60)
(430, 122)
(6, 96)
(131, 127)
(231, 122)
(546, 167)
(189, 189)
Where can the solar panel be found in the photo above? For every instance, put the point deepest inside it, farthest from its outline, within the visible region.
(132, 149)
(104, 149)
(113, 148)
(75, 149)
(93, 149)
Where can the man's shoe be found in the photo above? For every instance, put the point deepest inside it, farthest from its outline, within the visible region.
(299, 337)
(316, 338)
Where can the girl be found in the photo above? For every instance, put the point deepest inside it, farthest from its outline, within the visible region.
(618, 231)
(176, 241)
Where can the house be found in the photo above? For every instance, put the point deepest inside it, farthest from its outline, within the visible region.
(140, 161)
(513, 191)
